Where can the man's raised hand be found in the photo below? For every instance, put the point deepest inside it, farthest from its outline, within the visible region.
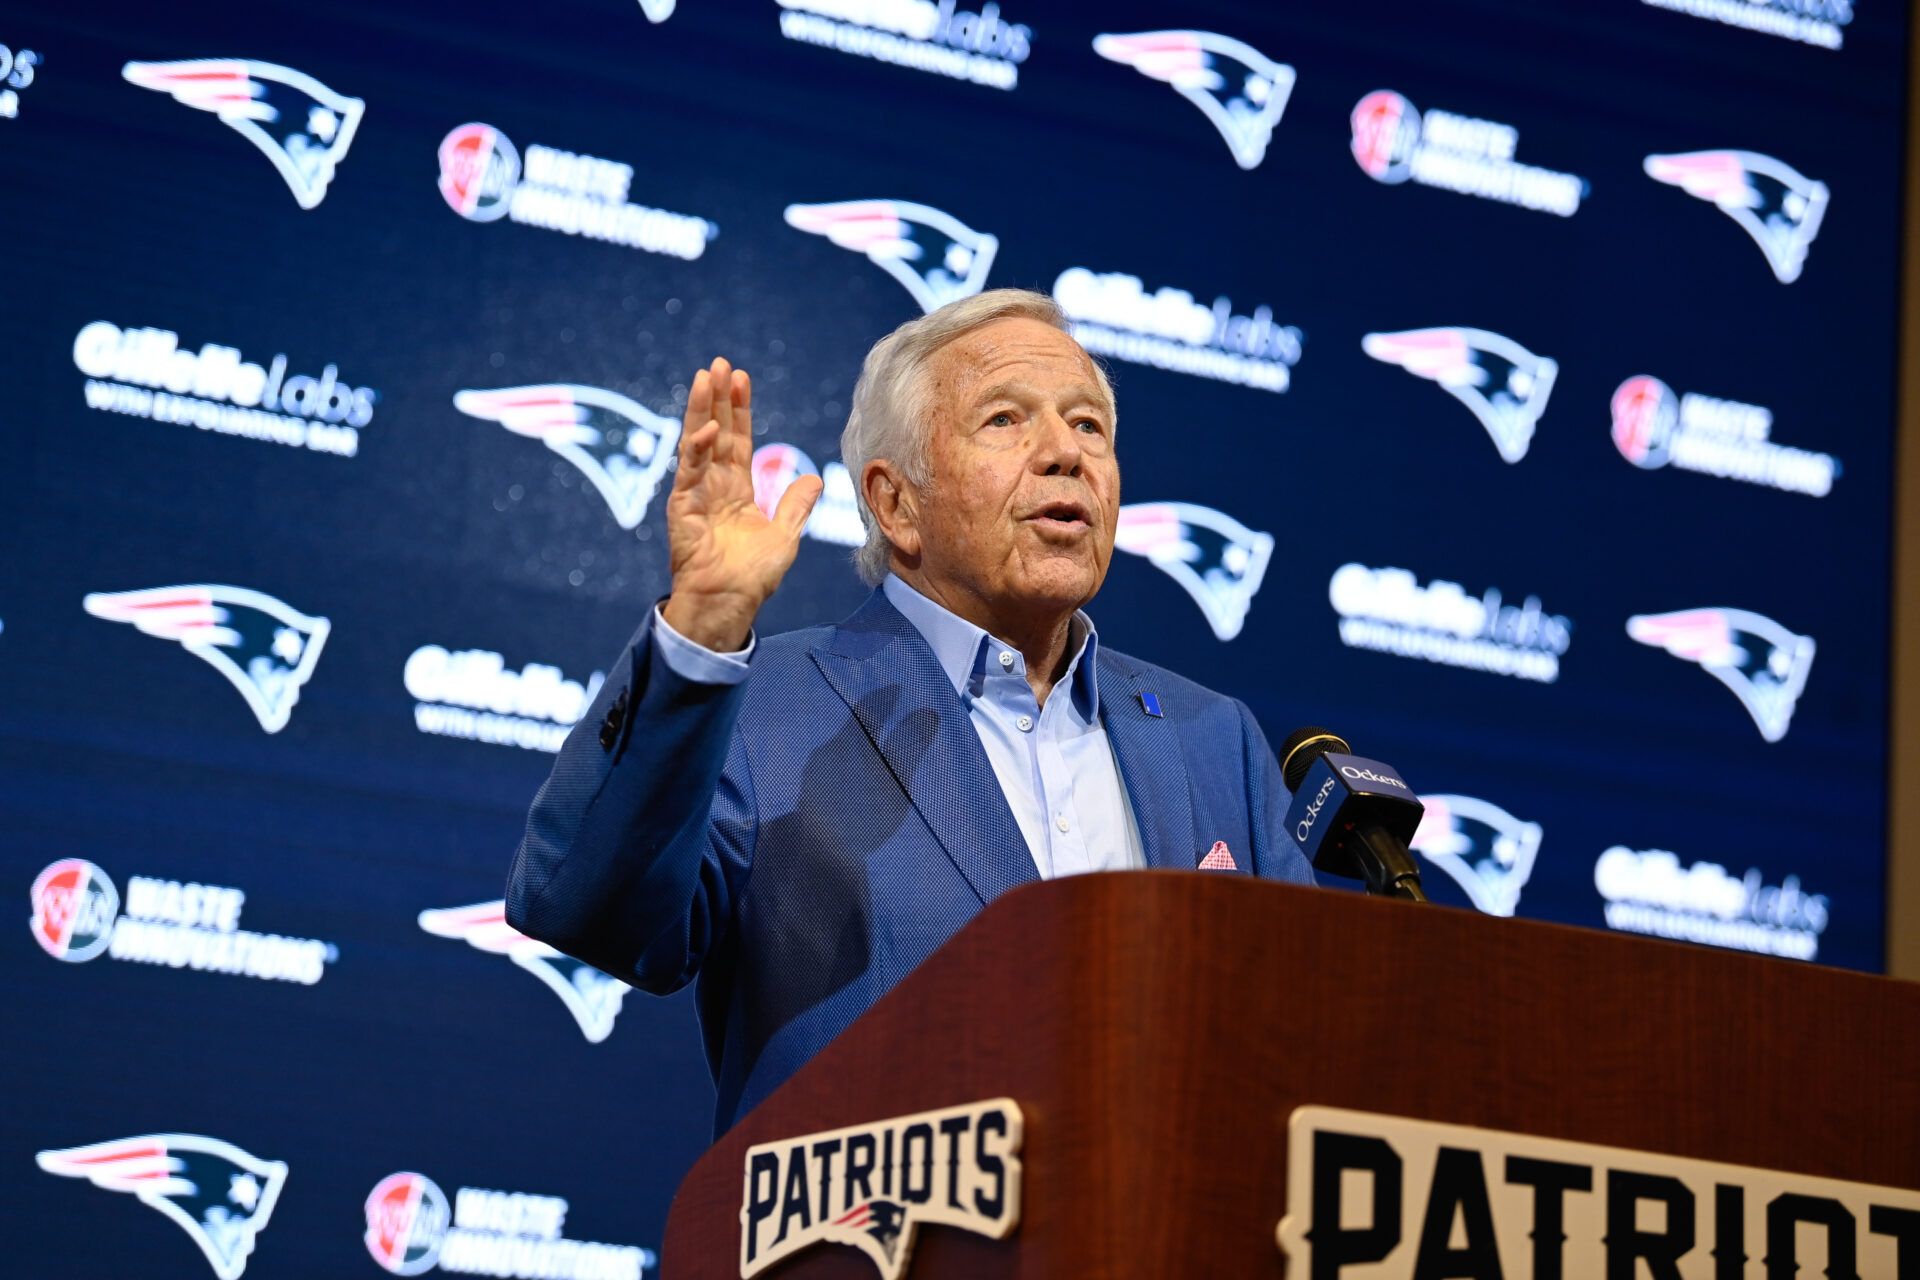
(726, 555)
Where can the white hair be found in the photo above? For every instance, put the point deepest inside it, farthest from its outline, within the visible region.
(891, 416)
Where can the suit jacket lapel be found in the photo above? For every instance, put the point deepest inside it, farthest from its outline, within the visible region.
(887, 675)
(1152, 767)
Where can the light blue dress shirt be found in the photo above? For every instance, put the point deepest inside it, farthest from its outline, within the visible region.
(1054, 763)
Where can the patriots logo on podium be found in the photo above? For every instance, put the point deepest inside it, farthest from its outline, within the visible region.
(1241, 91)
(1763, 663)
(621, 447)
(219, 1194)
(1488, 852)
(1504, 384)
(1218, 560)
(876, 1224)
(934, 255)
(298, 123)
(264, 647)
(1779, 207)
(592, 997)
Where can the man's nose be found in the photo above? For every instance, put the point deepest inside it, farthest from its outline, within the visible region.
(1057, 449)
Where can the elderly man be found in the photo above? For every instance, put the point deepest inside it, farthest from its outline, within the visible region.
(799, 820)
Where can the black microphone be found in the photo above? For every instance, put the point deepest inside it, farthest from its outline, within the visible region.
(1351, 816)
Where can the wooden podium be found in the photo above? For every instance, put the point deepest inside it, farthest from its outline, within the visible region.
(1157, 1030)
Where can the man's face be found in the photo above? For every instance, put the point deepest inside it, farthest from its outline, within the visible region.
(1025, 488)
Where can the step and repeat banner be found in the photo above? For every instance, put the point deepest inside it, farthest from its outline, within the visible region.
(1508, 387)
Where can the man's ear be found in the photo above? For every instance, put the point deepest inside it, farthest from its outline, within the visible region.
(895, 504)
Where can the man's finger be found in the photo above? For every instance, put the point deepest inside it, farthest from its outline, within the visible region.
(743, 411)
(696, 451)
(796, 504)
(699, 404)
(720, 380)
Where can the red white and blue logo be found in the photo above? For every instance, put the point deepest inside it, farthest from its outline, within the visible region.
(1386, 129)
(1217, 560)
(298, 123)
(936, 257)
(592, 997)
(1488, 852)
(1776, 205)
(1763, 663)
(407, 1221)
(1240, 90)
(1645, 411)
(218, 1194)
(619, 445)
(478, 170)
(1504, 384)
(74, 907)
(264, 647)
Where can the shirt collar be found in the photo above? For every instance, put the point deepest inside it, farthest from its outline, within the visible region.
(965, 651)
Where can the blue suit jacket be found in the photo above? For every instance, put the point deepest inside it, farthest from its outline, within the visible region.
(802, 840)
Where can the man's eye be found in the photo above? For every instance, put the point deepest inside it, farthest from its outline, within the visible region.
(1001, 420)
(1089, 424)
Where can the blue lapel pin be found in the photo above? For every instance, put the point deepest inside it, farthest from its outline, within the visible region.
(1151, 702)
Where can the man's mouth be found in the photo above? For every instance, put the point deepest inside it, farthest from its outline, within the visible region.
(1061, 515)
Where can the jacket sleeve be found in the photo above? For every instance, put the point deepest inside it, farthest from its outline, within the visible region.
(640, 840)
(1275, 855)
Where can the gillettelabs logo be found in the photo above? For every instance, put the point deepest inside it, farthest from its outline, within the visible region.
(146, 373)
(1240, 90)
(592, 997)
(265, 648)
(1217, 560)
(492, 1233)
(1649, 892)
(1652, 428)
(1388, 611)
(1504, 384)
(1763, 663)
(1114, 315)
(219, 1195)
(620, 446)
(182, 925)
(473, 694)
(1772, 202)
(835, 517)
(298, 123)
(1488, 852)
(942, 38)
(935, 257)
(1393, 143)
(482, 180)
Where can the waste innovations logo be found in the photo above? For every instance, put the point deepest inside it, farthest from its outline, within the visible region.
(1773, 202)
(1216, 560)
(1504, 384)
(1488, 852)
(936, 257)
(836, 515)
(619, 445)
(483, 179)
(1388, 611)
(182, 925)
(1240, 90)
(941, 39)
(1653, 428)
(298, 123)
(1763, 663)
(1114, 315)
(17, 70)
(1648, 891)
(218, 1194)
(1814, 22)
(490, 1233)
(592, 997)
(264, 647)
(1393, 143)
(146, 373)
(473, 694)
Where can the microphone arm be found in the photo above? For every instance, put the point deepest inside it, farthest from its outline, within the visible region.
(1387, 864)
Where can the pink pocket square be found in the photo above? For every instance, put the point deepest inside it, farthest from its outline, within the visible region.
(1218, 859)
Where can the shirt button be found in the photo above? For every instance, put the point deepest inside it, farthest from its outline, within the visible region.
(1006, 658)
(1025, 723)
(1060, 821)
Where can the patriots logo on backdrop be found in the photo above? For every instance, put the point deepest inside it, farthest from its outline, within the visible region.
(1386, 129)
(658, 10)
(1780, 208)
(1763, 663)
(934, 255)
(301, 125)
(1488, 852)
(1218, 560)
(1241, 91)
(74, 909)
(1645, 412)
(620, 446)
(873, 1227)
(219, 1194)
(407, 1220)
(478, 170)
(1504, 384)
(592, 997)
(264, 647)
